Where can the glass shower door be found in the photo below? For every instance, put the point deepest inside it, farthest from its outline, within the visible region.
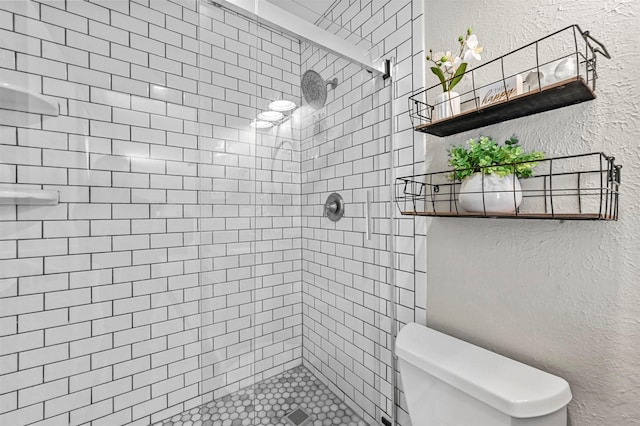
(295, 307)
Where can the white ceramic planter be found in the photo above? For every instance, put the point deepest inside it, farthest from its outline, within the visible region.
(490, 193)
(447, 105)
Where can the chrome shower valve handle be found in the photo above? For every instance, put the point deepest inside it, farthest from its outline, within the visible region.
(334, 207)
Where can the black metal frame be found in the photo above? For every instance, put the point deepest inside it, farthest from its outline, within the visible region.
(593, 178)
(421, 107)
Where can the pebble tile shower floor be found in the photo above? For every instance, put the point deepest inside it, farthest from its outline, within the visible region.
(267, 402)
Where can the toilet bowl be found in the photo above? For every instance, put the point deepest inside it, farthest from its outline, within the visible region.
(449, 382)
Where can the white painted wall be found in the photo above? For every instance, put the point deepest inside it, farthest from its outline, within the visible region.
(562, 296)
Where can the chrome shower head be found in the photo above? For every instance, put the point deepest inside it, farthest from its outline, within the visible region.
(314, 88)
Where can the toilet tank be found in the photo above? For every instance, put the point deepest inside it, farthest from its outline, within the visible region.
(449, 382)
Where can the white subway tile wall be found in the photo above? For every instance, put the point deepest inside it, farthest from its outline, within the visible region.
(250, 247)
(170, 272)
(345, 148)
(188, 258)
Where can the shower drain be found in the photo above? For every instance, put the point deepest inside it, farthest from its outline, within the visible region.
(298, 417)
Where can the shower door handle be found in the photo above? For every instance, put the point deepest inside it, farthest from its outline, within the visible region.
(367, 216)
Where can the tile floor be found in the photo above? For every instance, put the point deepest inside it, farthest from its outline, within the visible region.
(267, 402)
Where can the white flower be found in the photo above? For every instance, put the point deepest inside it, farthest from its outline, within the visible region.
(473, 50)
(451, 63)
(448, 60)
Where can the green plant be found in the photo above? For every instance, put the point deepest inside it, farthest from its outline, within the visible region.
(487, 156)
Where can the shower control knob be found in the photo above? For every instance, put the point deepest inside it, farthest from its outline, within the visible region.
(334, 207)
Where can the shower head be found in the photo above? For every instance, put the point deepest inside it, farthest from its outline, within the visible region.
(314, 88)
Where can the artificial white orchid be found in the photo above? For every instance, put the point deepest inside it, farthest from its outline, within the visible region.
(450, 68)
(473, 51)
(450, 62)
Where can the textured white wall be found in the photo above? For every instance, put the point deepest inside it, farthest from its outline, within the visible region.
(562, 296)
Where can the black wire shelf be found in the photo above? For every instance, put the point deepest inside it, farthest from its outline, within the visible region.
(575, 187)
(553, 72)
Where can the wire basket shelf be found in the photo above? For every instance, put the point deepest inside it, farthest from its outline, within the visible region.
(555, 71)
(579, 187)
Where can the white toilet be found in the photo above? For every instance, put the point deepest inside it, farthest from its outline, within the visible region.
(449, 382)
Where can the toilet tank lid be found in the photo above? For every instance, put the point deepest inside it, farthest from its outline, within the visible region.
(509, 386)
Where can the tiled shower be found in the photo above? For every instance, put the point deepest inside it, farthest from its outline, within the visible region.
(188, 258)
